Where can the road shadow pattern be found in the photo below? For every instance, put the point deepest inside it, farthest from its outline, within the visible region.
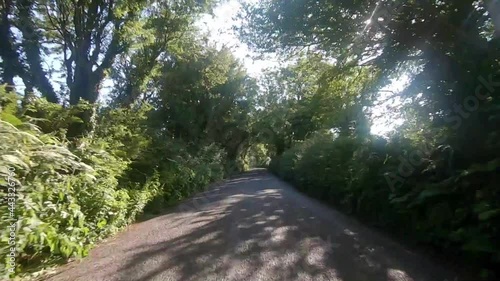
(255, 227)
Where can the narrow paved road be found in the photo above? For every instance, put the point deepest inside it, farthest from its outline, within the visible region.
(253, 227)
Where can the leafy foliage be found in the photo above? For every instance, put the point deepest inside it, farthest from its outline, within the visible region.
(183, 113)
(455, 214)
(432, 180)
(139, 156)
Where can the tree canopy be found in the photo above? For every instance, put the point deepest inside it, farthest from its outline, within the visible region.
(181, 111)
(434, 175)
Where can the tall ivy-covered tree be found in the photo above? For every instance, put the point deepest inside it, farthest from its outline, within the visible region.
(32, 46)
(171, 26)
(204, 95)
(11, 66)
(82, 39)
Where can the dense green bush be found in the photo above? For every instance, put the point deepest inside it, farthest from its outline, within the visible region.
(48, 181)
(72, 194)
(455, 212)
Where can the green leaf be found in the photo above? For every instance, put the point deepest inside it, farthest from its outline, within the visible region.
(14, 160)
(479, 244)
(401, 199)
(12, 119)
(101, 223)
(486, 167)
(488, 214)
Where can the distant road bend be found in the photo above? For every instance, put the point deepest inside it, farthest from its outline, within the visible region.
(252, 227)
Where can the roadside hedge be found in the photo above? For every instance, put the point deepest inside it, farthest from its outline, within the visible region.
(455, 212)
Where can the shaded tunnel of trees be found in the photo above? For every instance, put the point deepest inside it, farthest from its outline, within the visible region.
(84, 159)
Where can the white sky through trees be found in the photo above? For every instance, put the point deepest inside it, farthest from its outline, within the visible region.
(220, 30)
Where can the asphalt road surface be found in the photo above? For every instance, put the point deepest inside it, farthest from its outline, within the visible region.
(252, 227)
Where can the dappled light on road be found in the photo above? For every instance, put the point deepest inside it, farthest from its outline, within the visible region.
(252, 228)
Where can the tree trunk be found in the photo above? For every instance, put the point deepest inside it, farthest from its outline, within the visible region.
(10, 62)
(31, 45)
(28, 97)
